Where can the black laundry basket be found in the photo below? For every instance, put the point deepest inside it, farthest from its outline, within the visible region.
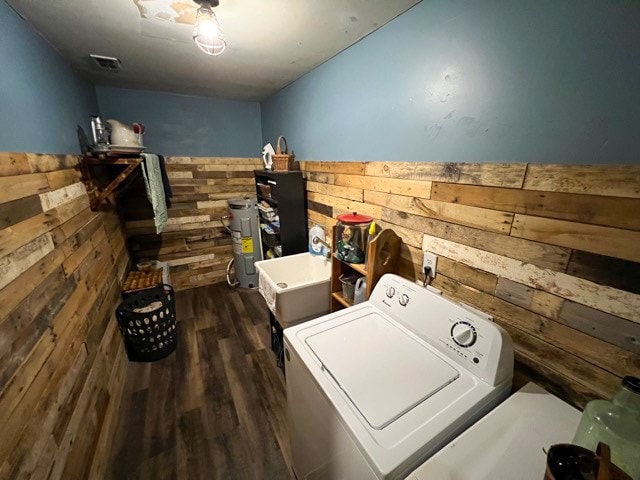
(147, 321)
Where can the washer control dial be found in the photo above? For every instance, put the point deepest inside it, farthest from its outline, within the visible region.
(391, 292)
(464, 334)
(404, 299)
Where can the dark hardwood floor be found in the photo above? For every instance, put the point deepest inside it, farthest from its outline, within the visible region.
(216, 407)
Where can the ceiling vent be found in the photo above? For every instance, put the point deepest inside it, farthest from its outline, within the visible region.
(110, 64)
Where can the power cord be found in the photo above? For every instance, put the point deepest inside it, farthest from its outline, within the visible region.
(428, 277)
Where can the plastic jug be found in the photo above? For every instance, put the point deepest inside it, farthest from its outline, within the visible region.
(360, 290)
(615, 422)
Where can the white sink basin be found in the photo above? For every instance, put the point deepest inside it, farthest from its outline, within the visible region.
(296, 287)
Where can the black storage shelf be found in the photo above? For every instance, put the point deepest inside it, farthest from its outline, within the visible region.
(288, 197)
(271, 200)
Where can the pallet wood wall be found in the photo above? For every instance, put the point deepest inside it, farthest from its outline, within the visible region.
(551, 251)
(61, 356)
(194, 242)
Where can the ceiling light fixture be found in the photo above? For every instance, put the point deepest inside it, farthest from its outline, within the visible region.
(207, 33)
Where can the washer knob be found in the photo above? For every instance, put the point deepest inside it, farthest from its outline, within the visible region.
(463, 334)
(391, 292)
(404, 299)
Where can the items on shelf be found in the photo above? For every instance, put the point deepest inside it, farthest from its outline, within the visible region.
(268, 212)
(99, 193)
(152, 170)
(382, 256)
(352, 235)
(264, 190)
(282, 212)
(141, 280)
(282, 159)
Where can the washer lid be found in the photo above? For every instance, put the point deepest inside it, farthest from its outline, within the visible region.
(384, 371)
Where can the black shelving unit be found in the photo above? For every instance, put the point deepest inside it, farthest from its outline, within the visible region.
(284, 192)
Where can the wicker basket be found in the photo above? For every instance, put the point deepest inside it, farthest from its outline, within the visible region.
(283, 161)
(137, 281)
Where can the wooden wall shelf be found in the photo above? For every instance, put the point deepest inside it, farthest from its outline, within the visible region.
(98, 194)
(383, 255)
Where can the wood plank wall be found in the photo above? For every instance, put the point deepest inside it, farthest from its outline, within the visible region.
(61, 357)
(194, 242)
(551, 251)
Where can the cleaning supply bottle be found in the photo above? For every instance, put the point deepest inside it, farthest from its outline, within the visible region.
(316, 248)
(370, 234)
(360, 292)
(615, 422)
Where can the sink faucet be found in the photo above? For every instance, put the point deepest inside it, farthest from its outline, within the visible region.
(317, 240)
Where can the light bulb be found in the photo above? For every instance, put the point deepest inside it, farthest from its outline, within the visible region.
(207, 34)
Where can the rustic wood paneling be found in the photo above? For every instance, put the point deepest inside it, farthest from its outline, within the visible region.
(20, 186)
(18, 210)
(335, 191)
(611, 300)
(62, 195)
(605, 270)
(484, 219)
(540, 254)
(537, 301)
(351, 168)
(613, 242)
(14, 163)
(201, 187)
(62, 178)
(342, 205)
(40, 163)
(410, 188)
(610, 328)
(490, 174)
(20, 233)
(562, 278)
(61, 356)
(592, 209)
(609, 180)
(320, 208)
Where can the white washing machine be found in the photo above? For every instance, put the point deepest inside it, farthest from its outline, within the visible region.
(376, 389)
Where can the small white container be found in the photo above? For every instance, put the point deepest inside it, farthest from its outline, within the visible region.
(316, 248)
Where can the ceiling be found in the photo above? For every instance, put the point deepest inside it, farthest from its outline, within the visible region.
(270, 43)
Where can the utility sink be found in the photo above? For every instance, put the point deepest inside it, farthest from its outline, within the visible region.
(296, 287)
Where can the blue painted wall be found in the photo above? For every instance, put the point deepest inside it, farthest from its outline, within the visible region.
(186, 125)
(476, 81)
(41, 99)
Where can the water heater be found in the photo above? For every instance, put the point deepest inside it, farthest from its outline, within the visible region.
(245, 234)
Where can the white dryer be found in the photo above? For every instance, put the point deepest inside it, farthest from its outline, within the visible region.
(376, 389)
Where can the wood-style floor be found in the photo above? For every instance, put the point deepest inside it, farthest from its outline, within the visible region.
(216, 407)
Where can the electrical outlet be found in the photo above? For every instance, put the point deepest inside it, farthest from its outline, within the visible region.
(430, 262)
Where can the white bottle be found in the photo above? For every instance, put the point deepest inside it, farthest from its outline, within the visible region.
(316, 248)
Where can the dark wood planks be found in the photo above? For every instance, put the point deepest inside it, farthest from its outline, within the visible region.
(61, 359)
(605, 270)
(201, 187)
(216, 408)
